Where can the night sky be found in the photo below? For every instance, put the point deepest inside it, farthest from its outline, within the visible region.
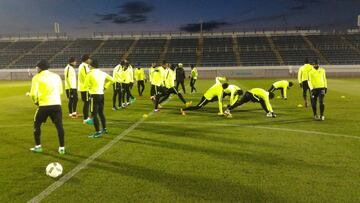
(83, 17)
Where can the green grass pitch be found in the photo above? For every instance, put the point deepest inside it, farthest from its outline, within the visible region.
(200, 157)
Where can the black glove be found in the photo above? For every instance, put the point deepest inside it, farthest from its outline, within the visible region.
(300, 85)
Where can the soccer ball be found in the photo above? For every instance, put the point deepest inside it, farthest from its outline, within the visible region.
(54, 170)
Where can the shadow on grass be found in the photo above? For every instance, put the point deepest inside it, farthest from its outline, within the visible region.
(14, 142)
(276, 121)
(201, 133)
(235, 156)
(200, 188)
(197, 187)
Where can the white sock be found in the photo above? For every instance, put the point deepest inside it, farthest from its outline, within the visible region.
(37, 146)
(61, 148)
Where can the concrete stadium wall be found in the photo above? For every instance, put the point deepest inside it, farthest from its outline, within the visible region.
(210, 73)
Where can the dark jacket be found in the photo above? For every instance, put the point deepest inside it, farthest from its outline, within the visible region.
(180, 74)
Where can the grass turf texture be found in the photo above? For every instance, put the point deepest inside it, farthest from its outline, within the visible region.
(194, 158)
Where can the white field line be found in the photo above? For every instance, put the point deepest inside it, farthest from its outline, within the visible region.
(102, 150)
(84, 164)
(215, 124)
(87, 161)
(258, 127)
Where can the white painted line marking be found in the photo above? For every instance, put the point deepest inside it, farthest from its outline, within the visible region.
(86, 162)
(259, 127)
(83, 164)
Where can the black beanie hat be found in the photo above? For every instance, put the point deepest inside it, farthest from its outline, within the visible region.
(94, 63)
(43, 64)
(85, 57)
(72, 59)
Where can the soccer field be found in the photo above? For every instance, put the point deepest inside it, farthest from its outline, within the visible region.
(200, 157)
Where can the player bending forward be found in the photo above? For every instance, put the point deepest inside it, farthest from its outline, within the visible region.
(234, 92)
(283, 86)
(257, 95)
(214, 93)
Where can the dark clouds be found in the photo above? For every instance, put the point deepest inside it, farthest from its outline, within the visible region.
(206, 26)
(105, 17)
(129, 12)
(135, 7)
(162, 15)
(299, 5)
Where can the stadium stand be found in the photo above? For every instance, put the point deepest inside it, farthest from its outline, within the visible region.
(218, 50)
(334, 49)
(44, 51)
(293, 49)
(354, 40)
(111, 52)
(14, 51)
(182, 50)
(256, 51)
(4, 45)
(76, 49)
(147, 51)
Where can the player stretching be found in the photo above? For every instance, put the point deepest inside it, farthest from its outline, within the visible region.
(117, 95)
(82, 72)
(234, 92)
(214, 93)
(256, 95)
(170, 86)
(318, 87)
(96, 82)
(193, 78)
(303, 75)
(140, 79)
(70, 87)
(46, 88)
(281, 85)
